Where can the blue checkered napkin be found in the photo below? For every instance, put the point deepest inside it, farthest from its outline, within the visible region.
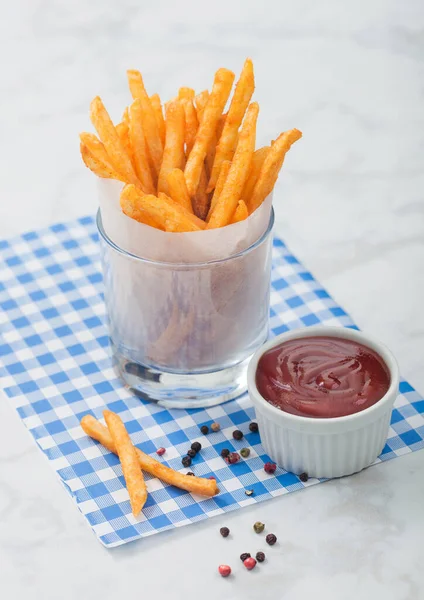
(55, 366)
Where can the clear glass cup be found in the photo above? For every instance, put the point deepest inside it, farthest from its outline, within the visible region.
(183, 334)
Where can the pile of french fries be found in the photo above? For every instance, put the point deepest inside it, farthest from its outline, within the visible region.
(194, 168)
(115, 438)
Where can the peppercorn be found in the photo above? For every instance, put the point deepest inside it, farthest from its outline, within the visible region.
(271, 539)
(215, 426)
(232, 458)
(225, 452)
(248, 492)
(270, 467)
(196, 446)
(244, 556)
(237, 434)
(190, 473)
(249, 563)
(191, 453)
(186, 461)
(224, 531)
(160, 451)
(224, 570)
(303, 477)
(253, 427)
(258, 527)
(245, 452)
(204, 429)
(260, 556)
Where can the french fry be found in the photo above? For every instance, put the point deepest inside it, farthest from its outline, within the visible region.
(126, 116)
(220, 126)
(185, 93)
(271, 167)
(108, 135)
(96, 148)
(139, 147)
(178, 189)
(201, 201)
(134, 479)
(173, 155)
(240, 213)
(97, 166)
(196, 485)
(130, 208)
(223, 174)
(255, 168)
(157, 108)
(191, 124)
(233, 187)
(239, 103)
(207, 128)
(176, 212)
(150, 125)
(200, 101)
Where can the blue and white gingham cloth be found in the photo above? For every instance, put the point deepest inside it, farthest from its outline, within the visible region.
(56, 367)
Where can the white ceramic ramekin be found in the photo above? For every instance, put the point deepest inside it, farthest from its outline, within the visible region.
(331, 447)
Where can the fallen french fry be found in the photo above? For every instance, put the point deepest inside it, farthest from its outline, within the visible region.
(157, 108)
(97, 166)
(132, 209)
(207, 127)
(108, 135)
(134, 479)
(139, 147)
(241, 213)
(255, 168)
(271, 167)
(196, 485)
(233, 187)
(173, 155)
(150, 125)
(239, 103)
(201, 200)
(178, 189)
(223, 174)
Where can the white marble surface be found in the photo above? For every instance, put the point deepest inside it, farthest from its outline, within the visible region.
(350, 204)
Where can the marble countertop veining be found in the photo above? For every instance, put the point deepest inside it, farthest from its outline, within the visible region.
(349, 204)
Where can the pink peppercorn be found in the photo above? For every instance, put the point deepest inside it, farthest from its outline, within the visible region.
(160, 451)
(270, 467)
(232, 458)
(225, 570)
(250, 563)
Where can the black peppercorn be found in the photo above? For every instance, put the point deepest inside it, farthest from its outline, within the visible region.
(224, 531)
(190, 473)
(303, 477)
(253, 427)
(204, 429)
(225, 452)
(244, 556)
(237, 434)
(271, 539)
(191, 453)
(196, 446)
(260, 556)
(186, 461)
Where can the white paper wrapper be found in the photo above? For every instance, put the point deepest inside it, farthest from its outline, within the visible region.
(196, 246)
(185, 316)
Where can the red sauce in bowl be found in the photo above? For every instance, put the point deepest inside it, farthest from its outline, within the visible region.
(322, 377)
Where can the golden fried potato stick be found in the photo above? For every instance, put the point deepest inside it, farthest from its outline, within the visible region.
(96, 148)
(150, 125)
(271, 167)
(255, 168)
(220, 128)
(241, 213)
(173, 155)
(185, 93)
(207, 128)
(126, 116)
(178, 189)
(191, 124)
(239, 103)
(223, 174)
(200, 101)
(139, 147)
(174, 211)
(97, 166)
(196, 485)
(134, 479)
(108, 135)
(201, 201)
(157, 108)
(239, 170)
(130, 208)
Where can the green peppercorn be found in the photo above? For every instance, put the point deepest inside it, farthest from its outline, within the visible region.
(258, 527)
(245, 452)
